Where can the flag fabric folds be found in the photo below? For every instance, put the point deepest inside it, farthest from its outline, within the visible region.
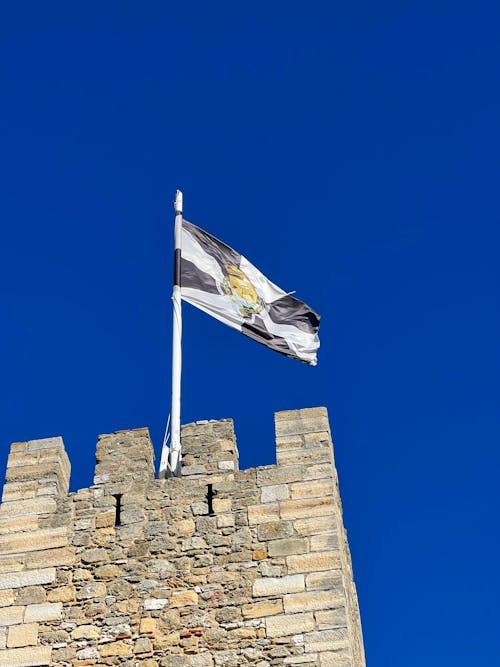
(224, 284)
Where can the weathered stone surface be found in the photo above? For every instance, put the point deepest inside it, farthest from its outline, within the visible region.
(272, 493)
(294, 545)
(278, 585)
(183, 598)
(326, 640)
(49, 611)
(88, 654)
(11, 615)
(313, 562)
(312, 489)
(41, 539)
(51, 557)
(274, 530)
(116, 648)
(331, 618)
(85, 632)
(326, 580)
(31, 506)
(148, 626)
(22, 635)
(152, 604)
(27, 578)
(310, 601)
(32, 656)
(262, 609)
(306, 507)
(289, 624)
(218, 568)
(6, 598)
(263, 513)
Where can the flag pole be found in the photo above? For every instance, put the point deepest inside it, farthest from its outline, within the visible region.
(173, 466)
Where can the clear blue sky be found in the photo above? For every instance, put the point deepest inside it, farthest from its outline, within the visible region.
(351, 151)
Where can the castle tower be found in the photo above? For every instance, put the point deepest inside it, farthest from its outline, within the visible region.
(220, 567)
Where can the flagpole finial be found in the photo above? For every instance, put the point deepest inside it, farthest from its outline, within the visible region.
(178, 202)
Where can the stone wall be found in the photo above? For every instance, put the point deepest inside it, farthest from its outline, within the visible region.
(219, 567)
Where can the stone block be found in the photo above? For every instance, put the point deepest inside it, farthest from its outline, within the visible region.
(340, 658)
(93, 589)
(27, 578)
(51, 557)
(32, 656)
(184, 527)
(61, 594)
(306, 508)
(282, 475)
(311, 601)
(12, 563)
(313, 562)
(183, 599)
(325, 580)
(11, 615)
(37, 541)
(325, 542)
(274, 492)
(226, 465)
(115, 648)
(152, 604)
(312, 489)
(148, 626)
(18, 524)
(45, 505)
(326, 640)
(225, 520)
(315, 525)
(331, 618)
(6, 598)
(90, 653)
(143, 645)
(262, 609)
(85, 632)
(30, 595)
(293, 545)
(278, 585)
(49, 611)
(97, 555)
(263, 513)
(19, 490)
(221, 505)
(105, 519)
(285, 625)
(304, 413)
(306, 456)
(274, 530)
(320, 471)
(22, 635)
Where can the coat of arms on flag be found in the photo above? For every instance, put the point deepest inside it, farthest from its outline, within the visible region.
(224, 284)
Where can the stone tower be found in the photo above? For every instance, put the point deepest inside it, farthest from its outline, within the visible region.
(221, 567)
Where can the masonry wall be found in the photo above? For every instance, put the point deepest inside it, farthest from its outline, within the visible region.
(219, 567)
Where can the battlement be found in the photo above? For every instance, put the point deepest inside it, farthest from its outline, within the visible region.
(218, 567)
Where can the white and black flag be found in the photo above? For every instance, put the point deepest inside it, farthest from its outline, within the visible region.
(224, 284)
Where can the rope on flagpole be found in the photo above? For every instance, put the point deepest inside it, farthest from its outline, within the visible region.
(170, 464)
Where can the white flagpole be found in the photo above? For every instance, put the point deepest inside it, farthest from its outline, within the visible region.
(172, 466)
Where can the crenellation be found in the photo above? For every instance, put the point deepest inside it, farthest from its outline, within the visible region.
(218, 567)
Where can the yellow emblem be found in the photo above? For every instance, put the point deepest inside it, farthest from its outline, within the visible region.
(238, 287)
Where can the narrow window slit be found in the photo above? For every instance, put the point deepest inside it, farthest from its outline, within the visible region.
(210, 497)
(118, 509)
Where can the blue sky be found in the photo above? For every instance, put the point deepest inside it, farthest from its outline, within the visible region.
(351, 152)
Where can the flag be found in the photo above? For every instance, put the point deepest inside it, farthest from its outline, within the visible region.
(224, 284)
